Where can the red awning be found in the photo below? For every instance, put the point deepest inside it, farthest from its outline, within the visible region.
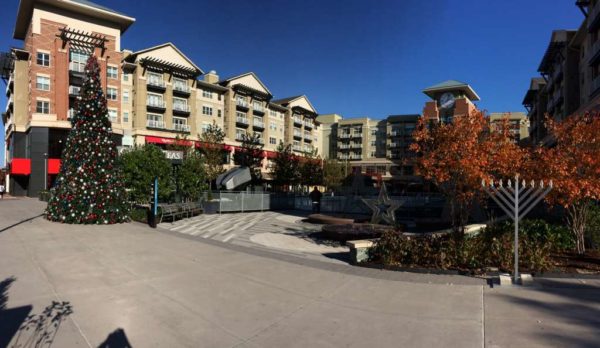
(201, 144)
(20, 166)
(168, 141)
(270, 154)
(53, 165)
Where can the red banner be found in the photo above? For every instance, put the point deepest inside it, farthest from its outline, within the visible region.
(53, 165)
(20, 166)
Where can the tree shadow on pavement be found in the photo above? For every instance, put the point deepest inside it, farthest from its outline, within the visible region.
(116, 339)
(25, 330)
(20, 222)
(571, 305)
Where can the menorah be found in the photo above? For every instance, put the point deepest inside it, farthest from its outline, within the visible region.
(516, 201)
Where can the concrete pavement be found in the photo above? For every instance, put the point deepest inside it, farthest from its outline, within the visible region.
(129, 283)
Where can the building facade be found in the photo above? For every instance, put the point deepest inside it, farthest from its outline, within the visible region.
(570, 74)
(155, 96)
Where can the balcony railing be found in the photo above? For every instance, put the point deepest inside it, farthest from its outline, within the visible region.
(155, 124)
(241, 103)
(181, 88)
(239, 136)
(297, 148)
(9, 103)
(594, 54)
(344, 146)
(355, 157)
(241, 120)
(258, 108)
(308, 124)
(113, 119)
(10, 83)
(74, 90)
(595, 85)
(181, 127)
(181, 107)
(557, 73)
(155, 104)
(297, 121)
(156, 83)
(70, 114)
(78, 67)
(356, 135)
(344, 136)
(258, 124)
(297, 134)
(355, 146)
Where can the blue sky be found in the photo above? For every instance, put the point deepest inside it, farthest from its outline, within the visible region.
(355, 58)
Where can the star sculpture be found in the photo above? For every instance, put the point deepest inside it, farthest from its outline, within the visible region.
(383, 207)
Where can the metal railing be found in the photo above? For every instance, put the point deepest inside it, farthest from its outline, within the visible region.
(181, 127)
(258, 107)
(155, 104)
(241, 102)
(242, 120)
(156, 83)
(155, 124)
(181, 88)
(77, 67)
(181, 107)
(298, 120)
(257, 123)
(297, 148)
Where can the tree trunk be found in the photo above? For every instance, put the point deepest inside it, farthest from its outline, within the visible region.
(576, 220)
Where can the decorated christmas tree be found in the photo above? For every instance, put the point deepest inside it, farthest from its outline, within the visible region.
(89, 188)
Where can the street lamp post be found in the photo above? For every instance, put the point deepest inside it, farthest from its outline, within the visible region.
(45, 171)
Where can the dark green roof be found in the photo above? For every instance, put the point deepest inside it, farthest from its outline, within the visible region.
(451, 85)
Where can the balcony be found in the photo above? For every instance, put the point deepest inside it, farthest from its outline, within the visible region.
(308, 149)
(10, 83)
(156, 85)
(113, 119)
(297, 121)
(357, 135)
(297, 135)
(177, 127)
(261, 141)
(297, 148)
(355, 157)
(557, 74)
(355, 146)
(155, 124)
(239, 136)
(156, 105)
(241, 104)
(393, 145)
(308, 124)
(344, 146)
(181, 109)
(308, 137)
(593, 18)
(74, 91)
(77, 68)
(344, 136)
(9, 103)
(258, 109)
(594, 53)
(71, 114)
(258, 124)
(595, 87)
(241, 121)
(181, 89)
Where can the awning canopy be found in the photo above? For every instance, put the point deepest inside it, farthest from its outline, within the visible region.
(20, 166)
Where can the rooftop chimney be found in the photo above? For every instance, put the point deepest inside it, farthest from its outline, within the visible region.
(211, 77)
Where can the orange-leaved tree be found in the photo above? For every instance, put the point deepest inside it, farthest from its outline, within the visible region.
(456, 156)
(572, 161)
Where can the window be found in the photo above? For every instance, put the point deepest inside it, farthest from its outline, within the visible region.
(207, 94)
(111, 93)
(205, 127)
(240, 114)
(272, 141)
(112, 72)
(179, 123)
(372, 153)
(125, 77)
(155, 78)
(112, 115)
(43, 59)
(256, 105)
(373, 142)
(207, 110)
(154, 100)
(239, 133)
(125, 96)
(180, 104)
(42, 107)
(373, 131)
(154, 121)
(43, 83)
(125, 116)
(219, 112)
(179, 84)
(78, 61)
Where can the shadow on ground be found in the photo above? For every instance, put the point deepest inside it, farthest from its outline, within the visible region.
(116, 339)
(576, 304)
(23, 329)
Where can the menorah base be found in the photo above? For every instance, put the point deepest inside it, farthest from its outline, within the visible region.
(506, 279)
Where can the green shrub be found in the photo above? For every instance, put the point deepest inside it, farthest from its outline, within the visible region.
(492, 247)
(139, 215)
(44, 195)
(592, 228)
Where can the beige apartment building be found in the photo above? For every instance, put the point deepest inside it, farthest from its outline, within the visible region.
(156, 95)
(518, 123)
(570, 74)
